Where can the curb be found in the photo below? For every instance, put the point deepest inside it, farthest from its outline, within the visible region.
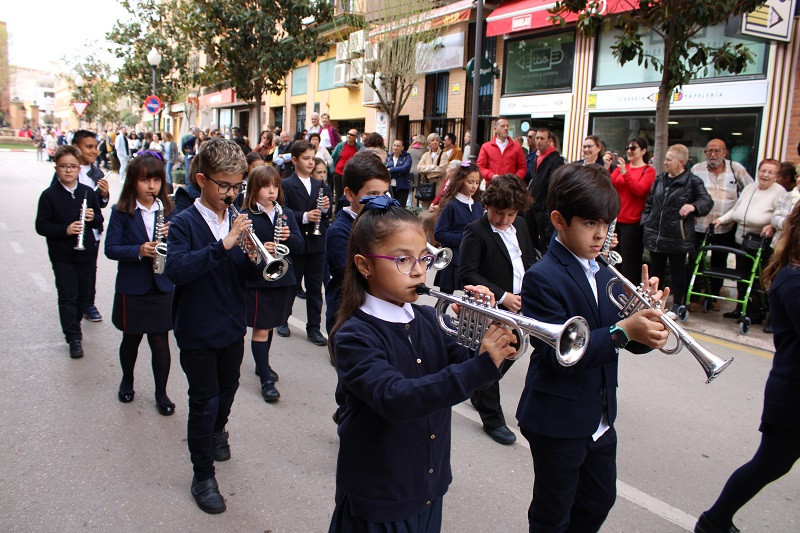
(731, 335)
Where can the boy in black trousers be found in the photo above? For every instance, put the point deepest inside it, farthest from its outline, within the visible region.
(567, 413)
(58, 219)
(208, 269)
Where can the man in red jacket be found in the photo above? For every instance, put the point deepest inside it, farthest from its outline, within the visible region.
(501, 155)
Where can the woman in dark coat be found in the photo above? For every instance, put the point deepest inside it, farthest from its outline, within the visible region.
(676, 198)
(399, 165)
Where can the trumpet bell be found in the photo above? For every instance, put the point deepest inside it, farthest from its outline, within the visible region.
(275, 269)
(443, 256)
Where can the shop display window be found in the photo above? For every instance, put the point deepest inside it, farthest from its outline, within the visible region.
(539, 64)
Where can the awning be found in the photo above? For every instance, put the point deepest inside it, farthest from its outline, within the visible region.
(522, 15)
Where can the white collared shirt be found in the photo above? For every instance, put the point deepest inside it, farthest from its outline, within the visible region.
(349, 211)
(72, 190)
(148, 217)
(501, 144)
(306, 183)
(509, 236)
(83, 176)
(386, 311)
(464, 199)
(218, 228)
(269, 212)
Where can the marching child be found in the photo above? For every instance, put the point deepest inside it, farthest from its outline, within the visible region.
(567, 413)
(143, 299)
(399, 374)
(58, 219)
(268, 302)
(459, 206)
(208, 268)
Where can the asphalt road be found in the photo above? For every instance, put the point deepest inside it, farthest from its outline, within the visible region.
(77, 459)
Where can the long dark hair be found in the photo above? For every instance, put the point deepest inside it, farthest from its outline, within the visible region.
(143, 166)
(787, 250)
(371, 228)
(460, 175)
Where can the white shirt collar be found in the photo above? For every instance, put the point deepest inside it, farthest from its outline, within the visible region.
(350, 212)
(464, 199)
(386, 311)
(152, 209)
(501, 144)
(590, 268)
(208, 214)
(264, 209)
(510, 229)
(72, 190)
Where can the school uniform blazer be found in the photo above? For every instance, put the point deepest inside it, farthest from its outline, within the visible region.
(449, 227)
(567, 402)
(265, 231)
(125, 236)
(299, 202)
(208, 308)
(485, 259)
(57, 210)
(96, 175)
(336, 241)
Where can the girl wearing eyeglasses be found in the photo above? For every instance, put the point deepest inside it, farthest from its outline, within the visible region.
(399, 374)
(633, 180)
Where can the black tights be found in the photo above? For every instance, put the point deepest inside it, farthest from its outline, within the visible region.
(775, 457)
(677, 273)
(129, 349)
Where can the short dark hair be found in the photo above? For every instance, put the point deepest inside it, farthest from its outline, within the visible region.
(452, 136)
(314, 134)
(507, 192)
(788, 171)
(373, 140)
(578, 190)
(251, 157)
(79, 135)
(299, 147)
(361, 168)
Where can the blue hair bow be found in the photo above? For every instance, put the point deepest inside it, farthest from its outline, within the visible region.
(379, 203)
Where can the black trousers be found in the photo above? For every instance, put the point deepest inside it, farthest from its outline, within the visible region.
(487, 402)
(73, 284)
(677, 273)
(338, 188)
(631, 248)
(400, 196)
(718, 260)
(213, 376)
(575, 483)
(310, 267)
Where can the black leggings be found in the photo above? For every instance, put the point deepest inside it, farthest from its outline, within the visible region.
(775, 457)
(159, 346)
(677, 274)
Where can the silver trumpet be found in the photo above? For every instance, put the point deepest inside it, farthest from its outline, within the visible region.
(84, 208)
(160, 261)
(281, 250)
(274, 267)
(443, 256)
(319, 206)
(634, 299)
(569, 339)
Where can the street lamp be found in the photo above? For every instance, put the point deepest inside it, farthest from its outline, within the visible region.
(79, 83)
(154, 58)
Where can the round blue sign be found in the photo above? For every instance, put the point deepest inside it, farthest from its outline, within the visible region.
(152, 104)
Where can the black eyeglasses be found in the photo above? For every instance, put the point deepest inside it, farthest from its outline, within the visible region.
(632, 148)
(224, 188)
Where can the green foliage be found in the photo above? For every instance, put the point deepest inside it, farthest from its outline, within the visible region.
(98, 90)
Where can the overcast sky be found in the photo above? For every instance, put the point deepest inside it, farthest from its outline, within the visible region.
(43, 31)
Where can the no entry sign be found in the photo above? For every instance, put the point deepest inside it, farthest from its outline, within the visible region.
(152, 104)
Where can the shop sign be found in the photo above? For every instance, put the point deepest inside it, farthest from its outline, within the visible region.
(414, 91)
(456, 89)
(770, 20)
(382, 124)
(539, 105)
(540, 64)
(695, 96)
(443, 53)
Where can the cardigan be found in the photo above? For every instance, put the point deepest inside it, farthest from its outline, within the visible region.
(265, 231)
(336, 241)
(398, 383)
(208, 309)
(753, 209)
(58, 208)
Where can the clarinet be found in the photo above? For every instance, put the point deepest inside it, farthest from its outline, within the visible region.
(160, 260)
(319, 206)
(84, 209)
(281, 250)
(613, 257)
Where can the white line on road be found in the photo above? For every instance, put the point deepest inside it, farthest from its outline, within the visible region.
(3, 226)
(17, 247)
(39, 280)
(23, 176)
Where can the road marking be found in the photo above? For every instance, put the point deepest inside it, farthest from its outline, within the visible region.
(733, 346)
(17, 247)
(296, 323)
(3, 226)
(23, 176)
(632, 494)
(39, 280)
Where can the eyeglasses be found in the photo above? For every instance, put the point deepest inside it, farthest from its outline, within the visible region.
(632, 148)
(585, 146)
(68, 168)
(351, 134)
(713, 151)
(224, 188)
(406, 263)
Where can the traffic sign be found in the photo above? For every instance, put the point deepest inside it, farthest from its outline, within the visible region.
(771, 20)
(80, 107)
(152, 104)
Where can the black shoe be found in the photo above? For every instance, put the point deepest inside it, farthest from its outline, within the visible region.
(301, 294)
(273, 376)
(316, 337)
(206, 494)
(269, 392)
(126, 396)
(220, 450)
(92, 314)
(503, 435)
(75, 349)
(768, 328)
(736, 313)
(336, 417)
(166, 408)
(754, 320)
(283, 331)
(704, 525)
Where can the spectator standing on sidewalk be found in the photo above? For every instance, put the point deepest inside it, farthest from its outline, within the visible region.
(450, 148)
(123, 150)
(501, 155)
(341, 155)
(433, 166)
(541, 163)
(329, 136)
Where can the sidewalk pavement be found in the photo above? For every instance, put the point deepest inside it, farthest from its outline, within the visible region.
(714, 325)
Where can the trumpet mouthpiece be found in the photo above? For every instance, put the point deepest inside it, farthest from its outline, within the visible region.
(423, 289)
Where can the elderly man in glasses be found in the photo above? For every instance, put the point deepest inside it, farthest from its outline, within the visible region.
(724, 180)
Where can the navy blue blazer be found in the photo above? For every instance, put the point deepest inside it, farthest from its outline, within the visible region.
(299, 201)
(402, 172)
(96, 175)
(208, 308)
(125, 236)
(336, 242)
(265, 231)
(567, 402)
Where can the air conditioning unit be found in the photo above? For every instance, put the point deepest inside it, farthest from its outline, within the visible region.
(369, 95)
(371, 51)
(356, 74)
(341, 74)
(357, 43)
(342, 52)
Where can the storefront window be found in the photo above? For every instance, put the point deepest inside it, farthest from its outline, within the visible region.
(539, 64)
(299, 80)
(739, 130)
(609, 72)
(325, 74)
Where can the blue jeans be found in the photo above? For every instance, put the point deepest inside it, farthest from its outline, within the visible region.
(168, 168)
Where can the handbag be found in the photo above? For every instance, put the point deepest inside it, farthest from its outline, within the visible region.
(425, 191)
(752, 242)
